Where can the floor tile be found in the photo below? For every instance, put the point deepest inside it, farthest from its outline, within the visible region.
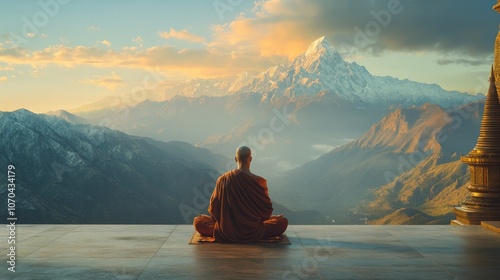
(316, 252)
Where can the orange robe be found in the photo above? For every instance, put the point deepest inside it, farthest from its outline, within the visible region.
(240, 204)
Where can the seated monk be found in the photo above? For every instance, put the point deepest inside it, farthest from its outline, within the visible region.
(240, 206)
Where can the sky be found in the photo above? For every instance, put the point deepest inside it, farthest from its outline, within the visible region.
(61, 54)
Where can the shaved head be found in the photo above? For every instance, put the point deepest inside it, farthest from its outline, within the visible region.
(243, 153)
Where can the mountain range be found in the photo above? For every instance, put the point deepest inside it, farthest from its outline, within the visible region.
(68, 172)
(309, 105)
(332, 139)
(322, 70)
(405, 168)
(319, 70)
(77, 173)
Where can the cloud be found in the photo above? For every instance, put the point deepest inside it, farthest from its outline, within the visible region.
(110, 82)
(93, 28)
(6, 67)
(5, 37)
(284, 166)
(285, 28)
(323, 148)
(3, 79)
(277, 30)
(466, 61)
(184, 35)
(12, 53)
(139, 41)
(106, 43)
(168, 59)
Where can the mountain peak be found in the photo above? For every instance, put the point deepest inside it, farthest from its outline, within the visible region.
(320, 45)
(67, 116)
(22, 114)
(322, 60)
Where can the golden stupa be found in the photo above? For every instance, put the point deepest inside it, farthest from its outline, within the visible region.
(483, 204)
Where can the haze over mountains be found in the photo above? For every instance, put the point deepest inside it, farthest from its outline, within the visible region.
(336, 143)
(406, 168)
(309, 106)
(69, 172)
(76, 173)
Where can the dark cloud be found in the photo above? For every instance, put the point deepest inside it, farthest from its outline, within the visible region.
(466, 61)
(460, 26)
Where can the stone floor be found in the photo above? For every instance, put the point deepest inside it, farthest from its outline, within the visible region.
(317, 252)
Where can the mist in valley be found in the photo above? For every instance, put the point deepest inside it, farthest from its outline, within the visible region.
(337, 145)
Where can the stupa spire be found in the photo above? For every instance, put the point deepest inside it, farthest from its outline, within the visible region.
(489, 135)
(483, 203)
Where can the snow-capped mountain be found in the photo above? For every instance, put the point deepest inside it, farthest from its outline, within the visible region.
(322, 69)
(209, 87)
(69, 172)
(326, 102)
(77, 173)
(319, 70)
(67, 116)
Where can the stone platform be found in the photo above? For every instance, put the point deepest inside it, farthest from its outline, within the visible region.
(316, 252)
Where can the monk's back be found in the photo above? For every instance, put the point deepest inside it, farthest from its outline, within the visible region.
(240, 203)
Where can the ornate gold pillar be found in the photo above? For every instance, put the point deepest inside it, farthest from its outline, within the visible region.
(484, 161)
(483, 204)
(496, 63)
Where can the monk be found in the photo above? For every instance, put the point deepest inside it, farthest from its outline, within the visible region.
(240, 206)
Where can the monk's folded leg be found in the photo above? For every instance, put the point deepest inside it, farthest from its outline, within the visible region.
(275, 226)
(204, 224)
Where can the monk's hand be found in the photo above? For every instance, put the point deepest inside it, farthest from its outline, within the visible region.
(204, 215)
